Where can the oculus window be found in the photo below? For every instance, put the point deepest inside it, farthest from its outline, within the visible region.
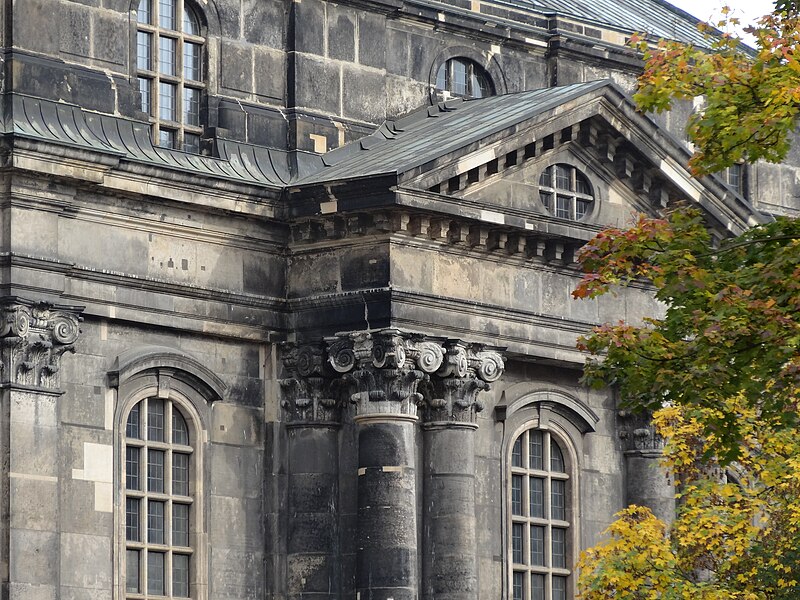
(565, 192)
(540, 513)
(169, 67)
(463, 78)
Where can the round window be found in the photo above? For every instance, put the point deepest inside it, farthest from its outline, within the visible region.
(464, 78)
(565, 192)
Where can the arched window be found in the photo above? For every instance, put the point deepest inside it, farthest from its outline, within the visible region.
(159, 489)
(464, 78)
(169, 63)
(565, 192)
(540, 518)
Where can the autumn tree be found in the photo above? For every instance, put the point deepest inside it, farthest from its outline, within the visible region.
(721, 372)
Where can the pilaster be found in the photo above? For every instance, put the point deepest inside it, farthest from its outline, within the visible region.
(450, 412)
(647, 483)
(33, 339)
(313, 414)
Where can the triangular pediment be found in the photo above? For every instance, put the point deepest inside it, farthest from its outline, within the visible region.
(491, 154)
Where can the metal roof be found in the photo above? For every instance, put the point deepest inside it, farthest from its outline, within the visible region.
(424, 135)
(69, 125)
(655, 17)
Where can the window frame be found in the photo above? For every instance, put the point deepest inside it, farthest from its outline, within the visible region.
(179, 126)
(540, 418)
(181, 389)
(572, 194)
(474, 72)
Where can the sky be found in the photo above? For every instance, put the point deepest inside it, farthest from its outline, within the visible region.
(747, 10)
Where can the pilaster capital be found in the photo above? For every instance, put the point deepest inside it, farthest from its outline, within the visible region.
(638, 434)
(33, 338)
(451, 395)
(311, 394)
(384, 369)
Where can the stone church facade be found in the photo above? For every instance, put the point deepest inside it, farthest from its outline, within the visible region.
(286, 285)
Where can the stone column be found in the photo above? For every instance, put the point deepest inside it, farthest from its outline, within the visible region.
(33, 338)
(313, 413)
(647, 483)
(449, 554)
(384, 369)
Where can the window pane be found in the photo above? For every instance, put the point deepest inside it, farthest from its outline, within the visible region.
(559, 588)
(180, 431)
(144, 14)
(155, 471)
(132, 427)
(563, 207)
(132, 468)
(517, 585)
(155, 573)
(180, 575)
(191, 61)
(167, 61)
(144, 50)
(536, 497)
(547, 200)
(559, 548)
(132, 528)
(166, 14)
(145, 91)
(582, 184)
(516, 495)
(516, 453)
(155, 522)
(132, 571)
(191, 25)
(191, 106)
(191, 143)
(180, 474)
(582, 208)
(563, 177)
(537, 587)
(476, 90)
(535, 450)
(459, 74)
(735, 177)
(166, 111)
(537, 545)
(441, 77)
(516, 543)
(557, 497)
(155, 415)
(180, 524)
(545, 178)
(556, 458)
(166, 138)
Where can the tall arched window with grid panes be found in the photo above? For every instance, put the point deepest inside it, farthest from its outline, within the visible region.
(169, 66)
(540, 518)
(159, 482)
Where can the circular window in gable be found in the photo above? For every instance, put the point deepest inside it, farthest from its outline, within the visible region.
(565, 192)
(464, 78)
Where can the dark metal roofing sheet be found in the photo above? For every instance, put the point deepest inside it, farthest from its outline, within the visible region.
(430, 133)
(69, 125)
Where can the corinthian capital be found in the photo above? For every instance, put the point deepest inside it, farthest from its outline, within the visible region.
(451, 395)
(33, 338)
(311, 390)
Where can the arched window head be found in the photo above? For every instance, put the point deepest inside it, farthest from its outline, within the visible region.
(159, 498)
(169, 63)
(540, 518)
(565, 192)
(463, 78)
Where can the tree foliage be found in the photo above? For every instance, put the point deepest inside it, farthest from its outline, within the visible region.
(721, 371)
(751, 99)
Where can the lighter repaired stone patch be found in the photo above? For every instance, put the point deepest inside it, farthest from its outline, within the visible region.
(98, 467)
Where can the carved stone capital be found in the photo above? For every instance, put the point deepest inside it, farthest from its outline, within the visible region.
(638, 434)
(451, 395)
(384, 368)
(311, 392)
(33, 338)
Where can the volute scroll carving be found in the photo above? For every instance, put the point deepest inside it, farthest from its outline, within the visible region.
(33, 338)
(311, 393)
